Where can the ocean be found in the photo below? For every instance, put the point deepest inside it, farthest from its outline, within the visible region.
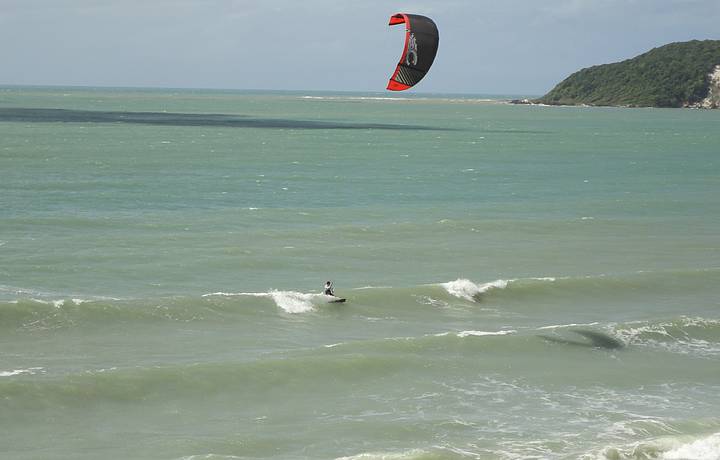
(522, 282)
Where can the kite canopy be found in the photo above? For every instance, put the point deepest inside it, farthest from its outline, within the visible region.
(421, 44)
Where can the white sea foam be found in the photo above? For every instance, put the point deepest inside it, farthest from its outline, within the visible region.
(237, 294)
(290, 301)
(558, 326)
(294, 302)
(407, 455)
(543, 278)
(641, 426)
(673, 336)
(483, 333)
(669, 448)
(109, 369)
(211, 456)
(58, 303)
(357, 98)
(702, 449)
(51, 298)
(11, 373)
(466, 289)
(30, 371)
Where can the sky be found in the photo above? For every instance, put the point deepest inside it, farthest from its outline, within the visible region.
(492, 47)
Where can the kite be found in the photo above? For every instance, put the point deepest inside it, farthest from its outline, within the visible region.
(421, 44)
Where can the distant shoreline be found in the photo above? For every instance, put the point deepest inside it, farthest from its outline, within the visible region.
(593, 106)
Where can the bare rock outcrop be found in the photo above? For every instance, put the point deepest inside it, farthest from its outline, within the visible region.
(712, 101)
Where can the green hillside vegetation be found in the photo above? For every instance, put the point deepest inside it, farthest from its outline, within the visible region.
(673, 75)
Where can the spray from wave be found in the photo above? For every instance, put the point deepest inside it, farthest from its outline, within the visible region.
(668, 448)
(289, 301)
(466, 289)
(701, 449)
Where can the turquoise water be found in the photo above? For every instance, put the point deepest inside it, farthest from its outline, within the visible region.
(522, 281)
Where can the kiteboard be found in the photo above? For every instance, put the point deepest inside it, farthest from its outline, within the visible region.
(335, 299)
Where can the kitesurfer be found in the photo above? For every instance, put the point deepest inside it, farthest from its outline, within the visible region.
(329, 289)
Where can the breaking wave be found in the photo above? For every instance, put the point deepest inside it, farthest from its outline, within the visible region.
(289, 301)
(466, 289)
(668, 448)
(683, 335)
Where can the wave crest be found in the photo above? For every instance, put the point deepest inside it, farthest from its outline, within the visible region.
(289, 301)
(466, 289)
(685, 335)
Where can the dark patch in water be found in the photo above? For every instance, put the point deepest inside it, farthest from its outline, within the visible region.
(595, 340)
(30, 115)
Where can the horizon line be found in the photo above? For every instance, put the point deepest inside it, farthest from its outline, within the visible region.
(271, 90)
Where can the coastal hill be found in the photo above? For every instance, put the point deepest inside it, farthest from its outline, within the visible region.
(684, 74)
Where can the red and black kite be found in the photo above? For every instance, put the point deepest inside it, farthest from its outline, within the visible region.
(421, 44)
